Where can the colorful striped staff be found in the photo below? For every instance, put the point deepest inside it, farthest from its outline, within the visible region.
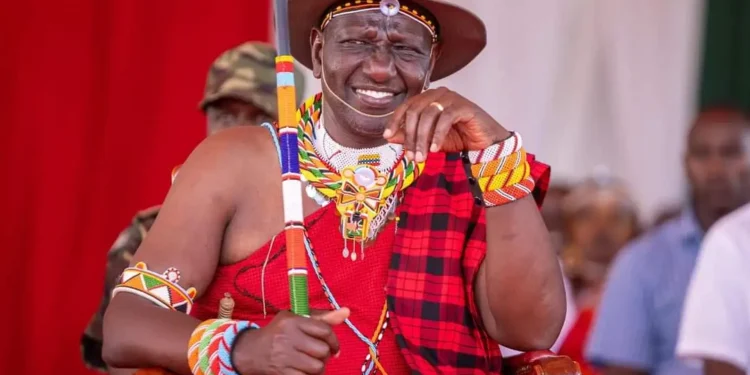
(291, 183)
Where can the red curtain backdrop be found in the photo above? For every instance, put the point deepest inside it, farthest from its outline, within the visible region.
(98, 101)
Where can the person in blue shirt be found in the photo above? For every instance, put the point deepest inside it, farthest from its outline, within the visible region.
(636, 327)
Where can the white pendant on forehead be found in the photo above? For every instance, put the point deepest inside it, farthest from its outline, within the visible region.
(389, 7)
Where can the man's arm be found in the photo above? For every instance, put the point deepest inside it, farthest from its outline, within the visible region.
(188, 236)
(118, 259)
(620, 340)
(714, 325)
(520, 289)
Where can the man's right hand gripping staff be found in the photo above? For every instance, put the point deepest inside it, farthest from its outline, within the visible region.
(289, 344)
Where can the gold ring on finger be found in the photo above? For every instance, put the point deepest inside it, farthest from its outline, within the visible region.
(438, 106)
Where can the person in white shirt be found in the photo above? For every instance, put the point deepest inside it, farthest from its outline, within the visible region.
(716, 318)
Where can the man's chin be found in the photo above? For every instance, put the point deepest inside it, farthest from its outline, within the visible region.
(723, 204)
(371, 127)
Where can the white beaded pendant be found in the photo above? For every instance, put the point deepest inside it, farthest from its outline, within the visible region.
(389, 7)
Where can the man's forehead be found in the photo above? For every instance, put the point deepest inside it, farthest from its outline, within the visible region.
(373, 19)
(718, 133)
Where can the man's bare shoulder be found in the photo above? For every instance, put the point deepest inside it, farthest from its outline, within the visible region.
(243, 148)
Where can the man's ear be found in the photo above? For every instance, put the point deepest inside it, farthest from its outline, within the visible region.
(316, 48)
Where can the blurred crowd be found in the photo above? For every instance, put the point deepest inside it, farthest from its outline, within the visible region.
(629, 282)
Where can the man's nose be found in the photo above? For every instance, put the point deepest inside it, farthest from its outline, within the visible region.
(380, 66)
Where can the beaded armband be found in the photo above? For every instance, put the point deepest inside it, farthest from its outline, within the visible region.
(210, 346)
(161, 289)
(501, 171)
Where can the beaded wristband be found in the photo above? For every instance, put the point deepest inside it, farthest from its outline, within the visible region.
(225, 364)
(501, 157)
(505, 179)
(210, 346)
(502, 171)
(509, 194)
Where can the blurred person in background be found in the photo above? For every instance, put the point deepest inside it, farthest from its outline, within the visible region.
(636, 327)
(552, 213)
(666, 214)
(715, 326)
(240, 90)
(599, 218)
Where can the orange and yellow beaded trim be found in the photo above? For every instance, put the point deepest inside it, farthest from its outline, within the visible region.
(347, 7)
(502, 172)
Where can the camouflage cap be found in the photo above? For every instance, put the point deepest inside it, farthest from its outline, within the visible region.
(248, 73)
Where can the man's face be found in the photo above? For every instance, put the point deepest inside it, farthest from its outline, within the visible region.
(230, 112)
(373, 63)
(718, 163)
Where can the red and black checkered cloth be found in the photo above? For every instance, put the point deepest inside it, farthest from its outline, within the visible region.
(440, 244)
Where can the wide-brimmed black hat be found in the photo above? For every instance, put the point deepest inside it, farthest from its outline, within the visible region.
(462, 34)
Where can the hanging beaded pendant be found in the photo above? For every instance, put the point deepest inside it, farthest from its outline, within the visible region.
(358, 202)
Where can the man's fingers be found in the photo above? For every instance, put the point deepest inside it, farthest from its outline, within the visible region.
(443, 127)
(406, 118)
(316, 348)
(335, 318)
(394, 123)
(306, 364)
(425, 130)
(410, 132)
(398, 138)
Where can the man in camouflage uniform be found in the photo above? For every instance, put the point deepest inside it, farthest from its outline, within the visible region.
(240, 90)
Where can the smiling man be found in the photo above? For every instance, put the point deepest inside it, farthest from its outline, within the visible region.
(422, 228)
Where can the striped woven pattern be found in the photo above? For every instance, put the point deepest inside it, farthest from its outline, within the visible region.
(501, 180)
(502, 171)
(498, 158)
(210, 346)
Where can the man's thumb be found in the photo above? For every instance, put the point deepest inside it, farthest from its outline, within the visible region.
(334, 317)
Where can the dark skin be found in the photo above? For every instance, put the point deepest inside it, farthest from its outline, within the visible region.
(718, 169)
(723, 175)
(712, 367)
(223, 226)
(717, 165)
(237, 109)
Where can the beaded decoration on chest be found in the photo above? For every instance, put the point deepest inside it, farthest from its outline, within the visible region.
(365, 184)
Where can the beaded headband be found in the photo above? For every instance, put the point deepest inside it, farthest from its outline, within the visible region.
(388, 7)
